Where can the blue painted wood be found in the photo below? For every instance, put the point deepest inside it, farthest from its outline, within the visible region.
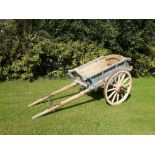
(96, 80)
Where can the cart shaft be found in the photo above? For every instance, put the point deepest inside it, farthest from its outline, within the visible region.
(55, 107)
(53, 94)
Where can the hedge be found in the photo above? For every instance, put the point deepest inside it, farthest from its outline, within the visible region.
(48, 48)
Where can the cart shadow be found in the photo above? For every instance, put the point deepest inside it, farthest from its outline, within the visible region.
(56, 98)
(128, 97)
(75, 105)
(97, 95)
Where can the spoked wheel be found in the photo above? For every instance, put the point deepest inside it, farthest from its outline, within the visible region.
(118, 87)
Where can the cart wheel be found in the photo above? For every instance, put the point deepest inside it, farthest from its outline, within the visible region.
(118, 87)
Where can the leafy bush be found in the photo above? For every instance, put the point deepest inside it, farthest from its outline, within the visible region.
(143, 65)
(23, 68)
(33, 48)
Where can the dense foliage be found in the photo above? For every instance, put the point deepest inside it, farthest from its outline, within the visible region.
(34, 48)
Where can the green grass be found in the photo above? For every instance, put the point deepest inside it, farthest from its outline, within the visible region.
(88, 115)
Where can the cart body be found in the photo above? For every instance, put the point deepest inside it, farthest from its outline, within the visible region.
(94, 73)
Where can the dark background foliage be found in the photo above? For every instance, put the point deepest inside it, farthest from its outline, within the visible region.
(33, 48)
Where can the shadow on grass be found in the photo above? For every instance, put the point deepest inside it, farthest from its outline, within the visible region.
(128, 97)
(56, 98)
(75, 105)
(96, 95)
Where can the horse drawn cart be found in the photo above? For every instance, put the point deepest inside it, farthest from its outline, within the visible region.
(112, 73)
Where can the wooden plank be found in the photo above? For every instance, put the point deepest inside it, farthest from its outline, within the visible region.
(94, 67)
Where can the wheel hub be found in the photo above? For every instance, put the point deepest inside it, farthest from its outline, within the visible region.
(119, 88)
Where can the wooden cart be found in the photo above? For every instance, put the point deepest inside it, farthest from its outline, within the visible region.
(108, 72)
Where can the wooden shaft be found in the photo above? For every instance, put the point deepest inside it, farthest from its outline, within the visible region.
(53, 108)
(53, 94)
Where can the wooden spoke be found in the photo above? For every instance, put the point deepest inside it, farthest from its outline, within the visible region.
(111, 94)
(118, 87)
(125, 80)
(114, 97)
(122, 95)
(126, 85)
(111, 89)
(122, 78)
(125, 90)
(117, 97)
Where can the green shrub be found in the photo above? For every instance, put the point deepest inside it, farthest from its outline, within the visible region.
(143, 65)
(23, 68)
(33, 48)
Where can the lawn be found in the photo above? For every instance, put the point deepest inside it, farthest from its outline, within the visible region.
(88, 115)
